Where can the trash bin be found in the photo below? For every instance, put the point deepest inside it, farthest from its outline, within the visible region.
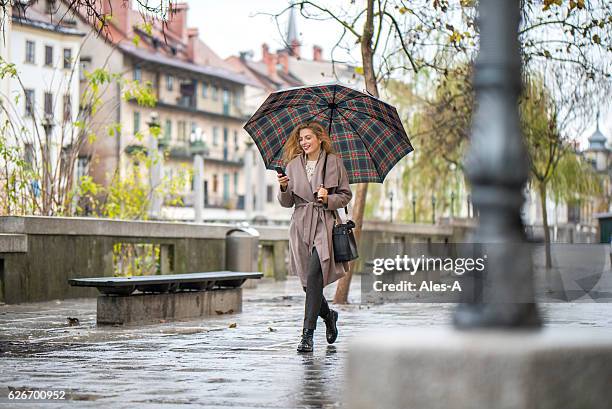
(241, 249)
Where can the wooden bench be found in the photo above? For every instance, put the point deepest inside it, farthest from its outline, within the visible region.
(150, 299)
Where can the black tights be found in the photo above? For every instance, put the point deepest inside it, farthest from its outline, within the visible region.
(316, 304)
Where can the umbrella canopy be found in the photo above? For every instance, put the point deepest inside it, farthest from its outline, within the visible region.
(365, 131)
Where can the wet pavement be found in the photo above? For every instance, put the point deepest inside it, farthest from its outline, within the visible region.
(245, 360)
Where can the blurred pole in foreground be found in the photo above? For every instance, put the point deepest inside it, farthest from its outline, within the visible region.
(155, 173)
(248, 180)
(497, 167)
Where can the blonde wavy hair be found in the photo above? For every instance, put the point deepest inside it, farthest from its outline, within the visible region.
(292, 146)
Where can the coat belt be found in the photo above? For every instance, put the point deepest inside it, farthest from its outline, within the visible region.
(314, 212)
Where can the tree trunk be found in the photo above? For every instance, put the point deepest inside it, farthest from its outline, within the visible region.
(344, 283)
(542, 188)
(342, 290)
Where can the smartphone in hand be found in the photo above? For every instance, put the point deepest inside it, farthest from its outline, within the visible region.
(280, 171)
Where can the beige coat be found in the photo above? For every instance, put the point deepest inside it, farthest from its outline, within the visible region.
(312, 222)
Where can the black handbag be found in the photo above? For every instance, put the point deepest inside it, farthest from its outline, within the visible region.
(343, 238)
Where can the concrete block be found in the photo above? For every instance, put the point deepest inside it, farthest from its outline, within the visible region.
(249, 284)
(151, 308)
(441, 368)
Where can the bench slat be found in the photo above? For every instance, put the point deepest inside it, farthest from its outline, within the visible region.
(164, 279)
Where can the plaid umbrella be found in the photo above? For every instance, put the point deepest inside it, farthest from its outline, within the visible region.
(366, 132)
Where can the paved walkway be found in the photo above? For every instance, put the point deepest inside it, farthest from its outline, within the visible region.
(245, 360)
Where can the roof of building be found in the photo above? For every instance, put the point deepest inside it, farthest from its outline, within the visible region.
(258, 71)
(314, 72)
(163, 59)
(28, 16)
(162, 46)
(597, 140)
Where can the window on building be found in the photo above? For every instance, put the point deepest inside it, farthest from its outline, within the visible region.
(194, 126)
(226, 185)
(573, 212)
(269, 193)
(237, 99)
(29, 102)
(215, 186)
(85, 64)
(136, 122)
(168, 129)
(48, 55)
(225, 148)
(67, 108)
(204, 89)
(226, 101)
(235, 140)
(28, 155)
(215, 92)
(82, 167)
(48, 103)
(182, 131)
(30, 52)
(215, 136)
(67, 58)
(137, 73)
(169, 82)
(236, 183)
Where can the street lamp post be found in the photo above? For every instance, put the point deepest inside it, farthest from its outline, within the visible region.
(198, 150)
(433, 208)
(469, 205)
(47, 124)
(452, 209)
(413, 208)
(391, 206)
(155, 173)
(248, 184)
(497, 167)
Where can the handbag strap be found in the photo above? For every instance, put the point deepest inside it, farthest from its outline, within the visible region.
(324, 168)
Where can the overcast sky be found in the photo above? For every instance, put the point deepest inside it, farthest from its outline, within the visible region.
(229, 27)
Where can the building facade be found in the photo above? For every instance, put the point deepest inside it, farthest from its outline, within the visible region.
(199, 107)
(40, 102)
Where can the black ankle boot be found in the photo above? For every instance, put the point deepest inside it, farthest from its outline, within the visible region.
(331, 330)
(306, 343)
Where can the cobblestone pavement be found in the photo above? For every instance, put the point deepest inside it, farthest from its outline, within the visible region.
(245, 360)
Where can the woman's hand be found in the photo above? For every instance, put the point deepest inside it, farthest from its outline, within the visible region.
(283, 180)
(322, 194)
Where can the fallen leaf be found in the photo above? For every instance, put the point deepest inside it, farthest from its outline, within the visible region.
(72, 321)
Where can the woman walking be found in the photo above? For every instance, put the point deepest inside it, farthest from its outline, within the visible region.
(316, 197)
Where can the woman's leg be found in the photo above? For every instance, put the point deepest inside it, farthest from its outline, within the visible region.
(316, 304)
(324, 310)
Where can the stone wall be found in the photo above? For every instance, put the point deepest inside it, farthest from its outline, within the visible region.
(39, 254)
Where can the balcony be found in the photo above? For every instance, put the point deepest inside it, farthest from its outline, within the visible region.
(187, 151)
(185, 101)
(199, 148)
(135, 148)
